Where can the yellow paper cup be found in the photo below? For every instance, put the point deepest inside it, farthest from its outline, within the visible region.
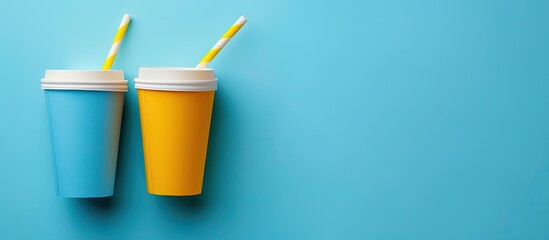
(175, 106)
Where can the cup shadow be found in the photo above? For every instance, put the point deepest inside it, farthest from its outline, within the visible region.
(98, 208)
(184, 206)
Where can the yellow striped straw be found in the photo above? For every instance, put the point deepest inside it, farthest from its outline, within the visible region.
(221, 43)
(116, 42)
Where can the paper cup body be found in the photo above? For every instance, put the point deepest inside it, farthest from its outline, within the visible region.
(175, 106)
(85, 113)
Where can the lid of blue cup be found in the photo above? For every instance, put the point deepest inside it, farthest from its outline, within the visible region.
(91, 80)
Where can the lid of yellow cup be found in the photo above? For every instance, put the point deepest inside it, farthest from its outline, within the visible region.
(176, 79)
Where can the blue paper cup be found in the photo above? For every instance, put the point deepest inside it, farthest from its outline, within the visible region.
(85, 113)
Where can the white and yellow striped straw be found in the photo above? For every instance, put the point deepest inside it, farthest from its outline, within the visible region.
(116, 42)
(221, 43)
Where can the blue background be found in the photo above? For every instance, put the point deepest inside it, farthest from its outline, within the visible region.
(334, 119)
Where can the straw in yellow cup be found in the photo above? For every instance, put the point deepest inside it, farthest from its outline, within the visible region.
(116, 42)
(175, 106)
(221, 43)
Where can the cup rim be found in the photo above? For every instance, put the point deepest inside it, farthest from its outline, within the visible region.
(98, 80)
(178, 68)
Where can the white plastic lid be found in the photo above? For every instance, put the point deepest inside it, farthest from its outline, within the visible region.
(91, 80)
(176, 79)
